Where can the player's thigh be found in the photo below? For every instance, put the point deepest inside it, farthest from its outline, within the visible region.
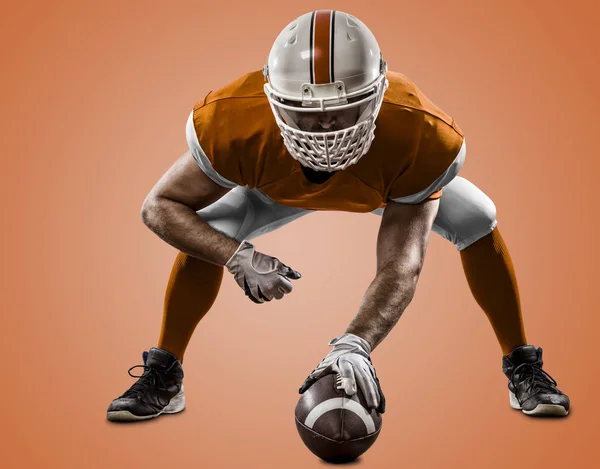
(465, 215)
(245, 213)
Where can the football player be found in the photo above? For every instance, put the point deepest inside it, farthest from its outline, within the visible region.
(300, 136)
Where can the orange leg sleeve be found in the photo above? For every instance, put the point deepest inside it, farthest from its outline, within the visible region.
(493, 282)
(191, 291)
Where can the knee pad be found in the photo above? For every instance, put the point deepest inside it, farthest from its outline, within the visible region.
(466, 213)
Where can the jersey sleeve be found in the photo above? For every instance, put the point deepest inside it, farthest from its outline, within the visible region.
(210, 148)
(446, 150)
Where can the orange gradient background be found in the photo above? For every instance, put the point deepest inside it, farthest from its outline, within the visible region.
(95, 96)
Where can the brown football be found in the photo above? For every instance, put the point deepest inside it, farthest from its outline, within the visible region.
(333, 425)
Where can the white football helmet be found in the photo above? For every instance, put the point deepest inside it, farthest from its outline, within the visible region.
(326, 61)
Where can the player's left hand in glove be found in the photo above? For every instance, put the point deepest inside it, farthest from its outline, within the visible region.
(350, 360)
(262, 277)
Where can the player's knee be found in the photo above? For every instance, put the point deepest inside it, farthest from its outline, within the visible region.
(481, 222)
(466, 213)
(486, 216)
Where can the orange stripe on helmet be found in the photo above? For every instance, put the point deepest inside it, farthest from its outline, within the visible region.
(322, 50)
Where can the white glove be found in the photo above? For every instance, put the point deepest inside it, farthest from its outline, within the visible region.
(261, 277)
(350, 360)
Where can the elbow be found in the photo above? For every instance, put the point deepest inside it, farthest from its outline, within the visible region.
(149, 210)
(410, 272)
(403, 278)
(408, 269)
(409, 277)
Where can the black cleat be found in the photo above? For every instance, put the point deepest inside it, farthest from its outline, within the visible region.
(159, 390)
(531, 389)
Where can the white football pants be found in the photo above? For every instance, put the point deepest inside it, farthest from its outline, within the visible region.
(465, 215)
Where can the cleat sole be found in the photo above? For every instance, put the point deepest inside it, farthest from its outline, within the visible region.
(540, 409)
(175, 405)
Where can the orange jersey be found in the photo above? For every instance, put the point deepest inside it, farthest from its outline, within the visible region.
(415, 143)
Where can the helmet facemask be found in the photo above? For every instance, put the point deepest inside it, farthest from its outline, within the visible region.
(328, 150)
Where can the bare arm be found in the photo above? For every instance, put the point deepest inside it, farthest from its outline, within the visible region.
(401, 246)
(170, 211)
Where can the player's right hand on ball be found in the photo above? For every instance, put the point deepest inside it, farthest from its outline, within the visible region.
(261, 277)
(350, 361)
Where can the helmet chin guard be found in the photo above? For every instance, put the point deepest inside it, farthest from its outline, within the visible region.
(326, 61)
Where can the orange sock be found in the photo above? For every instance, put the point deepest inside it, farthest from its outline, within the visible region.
(493, 282)
(191, 291)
